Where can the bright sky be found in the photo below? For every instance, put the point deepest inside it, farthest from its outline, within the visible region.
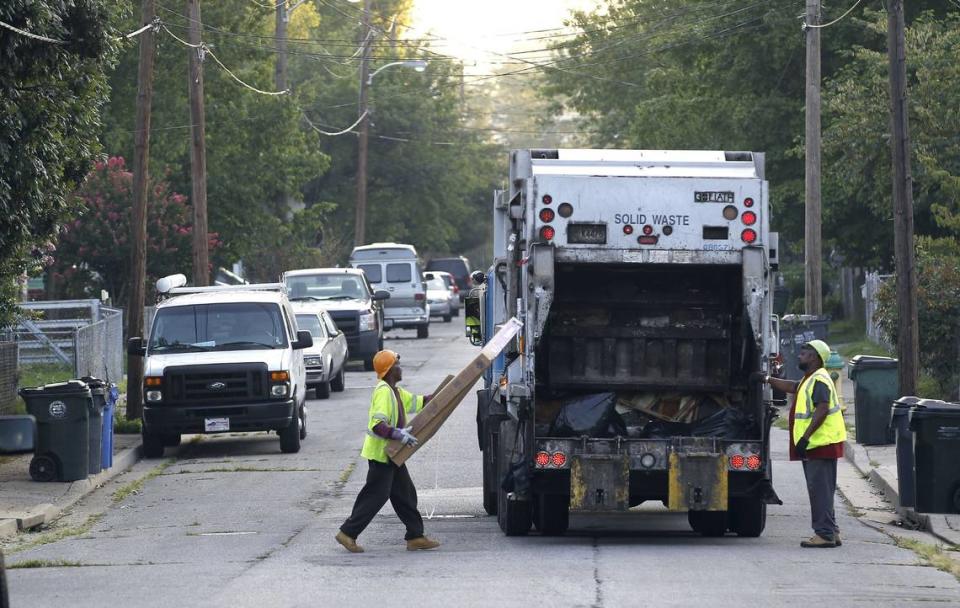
(471, 27)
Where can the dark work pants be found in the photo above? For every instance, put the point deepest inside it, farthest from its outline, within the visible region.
(821, 474)
(385, 481)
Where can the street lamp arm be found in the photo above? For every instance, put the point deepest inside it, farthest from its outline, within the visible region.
(417, 64)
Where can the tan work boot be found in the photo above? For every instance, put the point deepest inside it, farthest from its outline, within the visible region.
(836, 539)
(818, 542)
(422, 543)
(350, 544)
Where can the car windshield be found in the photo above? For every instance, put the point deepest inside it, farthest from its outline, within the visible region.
(312, 324)
(326, 287)
(222, 326)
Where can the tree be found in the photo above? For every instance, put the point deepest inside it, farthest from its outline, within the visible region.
(52, 94)
(94, 247)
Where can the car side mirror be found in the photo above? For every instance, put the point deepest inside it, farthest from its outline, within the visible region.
(304, 340)
(381, 294)
(18, 434)
(136, 347)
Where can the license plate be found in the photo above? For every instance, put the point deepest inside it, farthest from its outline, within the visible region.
(587, 234)
(216, 425)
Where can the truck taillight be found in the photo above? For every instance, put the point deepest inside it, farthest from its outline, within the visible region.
(748, 236)
(648, 230)
(737, 461)
(748, 202)
(627, 229)
(542, 459)
(753, 462)
(647, 240)
(547, 215)
(749, 218)
(547, 199)
(547, 233)
(419, 297)
(558, 459)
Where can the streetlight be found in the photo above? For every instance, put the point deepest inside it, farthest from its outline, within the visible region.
(366, 79)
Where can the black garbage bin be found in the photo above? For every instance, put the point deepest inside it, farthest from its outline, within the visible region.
(795, 331)
(936, 443)
(98, 393)
(900, 427)
(62, 411)
(877, 385)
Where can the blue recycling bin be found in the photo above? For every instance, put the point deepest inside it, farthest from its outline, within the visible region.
(106, 446)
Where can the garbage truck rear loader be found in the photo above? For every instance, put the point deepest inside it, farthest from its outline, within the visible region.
(644, 281)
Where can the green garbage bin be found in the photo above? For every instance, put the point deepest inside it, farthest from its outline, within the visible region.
(98, 401)
(63, 416)
(936, 443)
(876, 386)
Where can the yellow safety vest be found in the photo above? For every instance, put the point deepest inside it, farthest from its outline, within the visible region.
(832, 430)
(383, 408)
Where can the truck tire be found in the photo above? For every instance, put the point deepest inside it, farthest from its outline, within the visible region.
(513, 516)
(553, 514)
(748, 516)
(489, 454)
(290, 436)
(423, 331)
(708, 523)
(340, 382)
(303, 422)
(152, 444)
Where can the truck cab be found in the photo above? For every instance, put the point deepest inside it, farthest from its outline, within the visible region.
(222, 359)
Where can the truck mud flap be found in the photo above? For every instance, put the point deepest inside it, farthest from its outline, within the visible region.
(697, 482)
(599, 483)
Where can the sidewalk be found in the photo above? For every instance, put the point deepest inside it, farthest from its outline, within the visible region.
(878, 463)
(26, 504)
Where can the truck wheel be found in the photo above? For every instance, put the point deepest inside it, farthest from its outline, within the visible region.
(322, 390)
(708, 523)
(446, 318)
(290, 436)
(43, 467)
(489, 454)
(748, 516)
(303, 422)
(553, 514)
(423, 331)
(152, 444)
(340, 382)
(513, 516)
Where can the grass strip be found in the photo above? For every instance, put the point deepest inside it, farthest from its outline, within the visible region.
(136, 486)
(45, 563)
(932, 555)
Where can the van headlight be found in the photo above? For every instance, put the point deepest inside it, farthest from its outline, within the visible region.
(279, 390)
(154, 396)
(368, 321)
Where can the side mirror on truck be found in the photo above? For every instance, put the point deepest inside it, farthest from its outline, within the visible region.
(380, 295)
(136, 347)
(304, 340)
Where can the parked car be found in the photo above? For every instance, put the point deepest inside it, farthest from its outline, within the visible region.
(458, 266)
(438, 296)
(395, 268)
(326, 360)
(451, 286)
(351, 301)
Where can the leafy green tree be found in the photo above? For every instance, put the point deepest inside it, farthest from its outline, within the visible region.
(50, 100)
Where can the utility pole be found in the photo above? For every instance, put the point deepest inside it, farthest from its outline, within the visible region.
(198, 151)
(280, 70)
(813, 294)
(360, 221)
(908, 349)
(138, 222)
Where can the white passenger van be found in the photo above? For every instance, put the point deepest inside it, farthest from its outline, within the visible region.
(395, 267)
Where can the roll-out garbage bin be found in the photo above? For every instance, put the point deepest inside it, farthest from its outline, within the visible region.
(877, 385)
(795, 331)
(106, 448)
(900, 427)
(62, 411)
(98, 393)
(936, 441)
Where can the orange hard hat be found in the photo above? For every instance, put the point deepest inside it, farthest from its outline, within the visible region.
(383, 361)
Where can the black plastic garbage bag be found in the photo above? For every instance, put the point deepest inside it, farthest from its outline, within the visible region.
(663, 429)
(517, 479)
(728, 423)
(592, 415)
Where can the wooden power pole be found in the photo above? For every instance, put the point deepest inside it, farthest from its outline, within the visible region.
(908, 349)
(360, 219)
(198, 151)
(138, 223)
(813, 294)
(280, 69)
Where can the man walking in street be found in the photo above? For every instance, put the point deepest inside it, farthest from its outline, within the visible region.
(817, 433)
(385, 480)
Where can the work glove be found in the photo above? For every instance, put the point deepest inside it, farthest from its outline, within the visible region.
(757, 378)
(406, 437)
(801, 448)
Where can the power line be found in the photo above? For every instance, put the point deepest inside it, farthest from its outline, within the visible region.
(27, 34)
(837, 20)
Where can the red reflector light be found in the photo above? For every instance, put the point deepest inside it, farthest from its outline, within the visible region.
(547, 233)
(647, 240)
(737, 461)
(648, 230)
(547, 199)
(559, 459)
(748, 236)
(748, 202)
(627, 229)
(542, 459)
(546, 215)
(753, 462)
(749, 218)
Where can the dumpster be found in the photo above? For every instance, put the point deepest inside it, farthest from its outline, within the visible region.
(106, 449)
(98, 391)
(900, 427)
(936, 441)
(877, 385)
(62, 411)
(795, 331)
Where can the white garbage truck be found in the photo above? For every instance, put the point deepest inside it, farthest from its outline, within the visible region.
(644, 282)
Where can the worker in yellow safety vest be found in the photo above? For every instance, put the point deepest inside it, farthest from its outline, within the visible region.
(817, 433)
(386, 481)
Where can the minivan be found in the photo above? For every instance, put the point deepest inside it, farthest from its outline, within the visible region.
(395, 267)
(458, 266)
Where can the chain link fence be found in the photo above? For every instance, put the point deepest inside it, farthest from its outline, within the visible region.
(8, 376)
(98, 347)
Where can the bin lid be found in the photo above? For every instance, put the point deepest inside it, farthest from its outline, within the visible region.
(803, 318)
(71, 387)
(93, 382)
(906, 402)
(934, 407)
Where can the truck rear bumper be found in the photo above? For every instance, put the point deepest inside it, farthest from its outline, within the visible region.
(263, 416)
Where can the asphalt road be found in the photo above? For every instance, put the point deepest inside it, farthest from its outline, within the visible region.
(229, 521)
